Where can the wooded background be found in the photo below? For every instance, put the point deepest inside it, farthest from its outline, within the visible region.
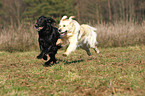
(14, 12)
(119, 22)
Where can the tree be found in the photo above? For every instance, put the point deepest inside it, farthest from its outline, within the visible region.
(86, 11)
(11, 11)
(49, 8)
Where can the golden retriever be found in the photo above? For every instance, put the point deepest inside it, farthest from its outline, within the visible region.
(74, 35)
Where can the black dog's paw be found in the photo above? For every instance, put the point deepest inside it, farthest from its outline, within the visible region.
(65, 55)
(39, 56)
(50, 63)
(46, 64)
(45, 57)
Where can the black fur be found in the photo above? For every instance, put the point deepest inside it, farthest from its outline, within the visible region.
(48, 36)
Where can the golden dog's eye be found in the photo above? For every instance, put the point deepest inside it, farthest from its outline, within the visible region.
(63, 25)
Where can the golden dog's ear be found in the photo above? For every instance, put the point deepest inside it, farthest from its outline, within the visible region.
(70, 18)
(64, 18)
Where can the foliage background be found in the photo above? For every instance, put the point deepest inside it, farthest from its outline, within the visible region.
(86, 11)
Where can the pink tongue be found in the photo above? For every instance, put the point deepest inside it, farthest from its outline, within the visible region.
(62, 34)
(40, 27)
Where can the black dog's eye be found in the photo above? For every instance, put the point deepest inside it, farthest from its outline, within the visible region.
(40, 20)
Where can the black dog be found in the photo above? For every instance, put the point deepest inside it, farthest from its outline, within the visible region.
(48, 36)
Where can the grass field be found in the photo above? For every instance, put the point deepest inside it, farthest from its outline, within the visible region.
(116, 71)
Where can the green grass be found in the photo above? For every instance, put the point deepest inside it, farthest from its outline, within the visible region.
(115, 71)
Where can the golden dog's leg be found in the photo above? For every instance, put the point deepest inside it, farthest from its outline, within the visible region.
(96, 50)
(85, 47)
(72, 47)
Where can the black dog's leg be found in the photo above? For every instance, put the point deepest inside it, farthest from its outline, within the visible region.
(52, 59)
(45, 57)
(52, 56)
(41, 55)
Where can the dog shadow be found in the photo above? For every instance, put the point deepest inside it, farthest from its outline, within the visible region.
(65, 62)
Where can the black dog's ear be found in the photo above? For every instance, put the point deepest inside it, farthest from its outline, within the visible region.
(50, 20)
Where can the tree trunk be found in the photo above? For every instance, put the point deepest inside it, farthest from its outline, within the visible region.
(109, 10)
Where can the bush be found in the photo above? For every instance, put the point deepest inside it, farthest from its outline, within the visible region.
(121, 34)
(23, 38)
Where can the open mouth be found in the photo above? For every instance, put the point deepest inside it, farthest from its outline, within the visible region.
(63, 33)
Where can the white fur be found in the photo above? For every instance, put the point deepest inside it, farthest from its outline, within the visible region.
(83, 36)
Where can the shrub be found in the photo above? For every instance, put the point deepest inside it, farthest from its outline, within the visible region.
(23, 38)
(121, 34)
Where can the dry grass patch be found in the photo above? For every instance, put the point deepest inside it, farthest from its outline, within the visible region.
(24, 37)
(121, 34)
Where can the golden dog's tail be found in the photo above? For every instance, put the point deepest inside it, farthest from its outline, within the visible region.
(93, 28)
